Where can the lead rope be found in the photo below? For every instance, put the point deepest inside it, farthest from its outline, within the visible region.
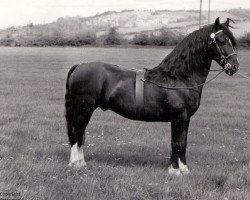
(192, 87)
(244, 76)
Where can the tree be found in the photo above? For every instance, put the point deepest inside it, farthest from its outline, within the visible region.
(141, 39)
(112, 38)
(30, 25)
(8, 40)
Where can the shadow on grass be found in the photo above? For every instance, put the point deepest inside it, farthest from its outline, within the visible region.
(134, 157)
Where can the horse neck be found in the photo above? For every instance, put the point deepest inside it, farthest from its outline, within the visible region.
(190, 60)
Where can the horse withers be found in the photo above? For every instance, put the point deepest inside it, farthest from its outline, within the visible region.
(171, 91)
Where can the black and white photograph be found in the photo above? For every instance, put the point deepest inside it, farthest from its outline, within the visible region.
(124, 100)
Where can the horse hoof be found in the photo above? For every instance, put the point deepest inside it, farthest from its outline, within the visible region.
(174, 171)
(185, 171)
(78, 164)
(183, 167)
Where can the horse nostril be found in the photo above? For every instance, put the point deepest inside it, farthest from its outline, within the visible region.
(227, 66)
(235, 67)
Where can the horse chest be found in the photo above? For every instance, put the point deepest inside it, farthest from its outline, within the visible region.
(193, 103)
(172, 103)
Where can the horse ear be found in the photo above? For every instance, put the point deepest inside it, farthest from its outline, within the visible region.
(227, 22)
(217, 23)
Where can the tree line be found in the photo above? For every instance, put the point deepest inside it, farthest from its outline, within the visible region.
(163, 37)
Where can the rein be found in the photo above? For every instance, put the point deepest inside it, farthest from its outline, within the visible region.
(190, 87)
(242, 75)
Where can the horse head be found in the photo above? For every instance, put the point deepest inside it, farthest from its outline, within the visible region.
(222, 44)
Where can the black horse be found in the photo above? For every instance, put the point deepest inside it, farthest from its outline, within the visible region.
(182, 73)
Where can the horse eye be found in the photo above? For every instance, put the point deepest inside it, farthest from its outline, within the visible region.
(222, 41)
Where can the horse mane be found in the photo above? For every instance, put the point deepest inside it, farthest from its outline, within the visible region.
(187, 56)
(229, 34)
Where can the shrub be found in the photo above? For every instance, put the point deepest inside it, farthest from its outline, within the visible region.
(141, 39)
(128, 10)
(8, 40)
(244, 40)
(81, 39)
(30, 25)
(165, 37)
(58, 39)
(112, 38)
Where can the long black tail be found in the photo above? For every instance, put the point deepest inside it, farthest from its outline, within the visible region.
(69, 113)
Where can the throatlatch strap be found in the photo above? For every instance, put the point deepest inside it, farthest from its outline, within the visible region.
(139, 88)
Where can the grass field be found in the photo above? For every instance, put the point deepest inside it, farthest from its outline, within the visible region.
(126, 159)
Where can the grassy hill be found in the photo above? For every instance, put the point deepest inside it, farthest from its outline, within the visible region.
(77, 31)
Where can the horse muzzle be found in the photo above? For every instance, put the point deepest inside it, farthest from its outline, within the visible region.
(231, 69)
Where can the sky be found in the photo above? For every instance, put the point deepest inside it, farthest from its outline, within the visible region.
(22, 12)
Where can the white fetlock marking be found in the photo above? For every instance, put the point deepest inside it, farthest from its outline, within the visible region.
(76, 156)
(183, 168)
(73, 154)
(80, 153)
(174, 171)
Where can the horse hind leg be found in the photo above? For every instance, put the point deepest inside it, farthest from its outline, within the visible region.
(79, 124)
(77, 120)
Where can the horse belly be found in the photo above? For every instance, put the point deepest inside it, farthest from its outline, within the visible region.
(124, 104)
(121, 99)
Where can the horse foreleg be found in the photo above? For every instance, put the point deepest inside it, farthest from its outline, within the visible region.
(179, 130)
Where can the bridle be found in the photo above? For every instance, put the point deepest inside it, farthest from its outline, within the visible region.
(223, 58)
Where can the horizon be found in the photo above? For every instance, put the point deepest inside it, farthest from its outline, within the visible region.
(118, 11)
(20, 13)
